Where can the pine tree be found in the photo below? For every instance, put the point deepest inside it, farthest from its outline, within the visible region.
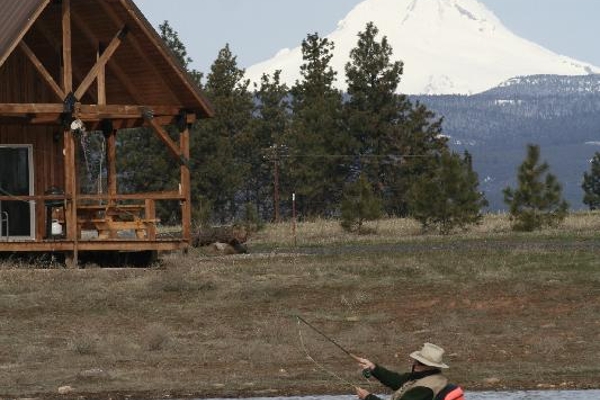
(143, 162)
(359, 204)
(265, 145)
(537, 201)
(171, 39)
(591, 184)
(447, 197)
(219, 163)
(396, 141)
(316, 138)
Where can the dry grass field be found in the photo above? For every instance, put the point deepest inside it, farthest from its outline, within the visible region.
(513, 310)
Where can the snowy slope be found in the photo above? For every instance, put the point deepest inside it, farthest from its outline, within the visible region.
(447, 46)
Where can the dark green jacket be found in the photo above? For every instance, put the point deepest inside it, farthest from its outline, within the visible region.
(394, 381)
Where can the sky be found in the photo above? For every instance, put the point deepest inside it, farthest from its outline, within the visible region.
(257, 29)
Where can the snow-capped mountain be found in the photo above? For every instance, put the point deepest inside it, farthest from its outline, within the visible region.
(447, 46)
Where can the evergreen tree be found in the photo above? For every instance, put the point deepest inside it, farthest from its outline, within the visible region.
(537, 201)
(396, 141)
(171, 39)
(316, 139)
(143, 162)
(447, 196)
(359, 204)
(591, 184)
(219, 160)
(265, 144)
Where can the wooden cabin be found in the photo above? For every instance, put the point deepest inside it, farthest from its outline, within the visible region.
(73, 66)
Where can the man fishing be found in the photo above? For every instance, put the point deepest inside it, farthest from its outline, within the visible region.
(424, 382)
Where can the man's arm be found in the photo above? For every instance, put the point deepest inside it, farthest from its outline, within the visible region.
(391, 379)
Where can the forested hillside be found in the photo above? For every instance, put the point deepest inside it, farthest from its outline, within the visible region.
(560, 114)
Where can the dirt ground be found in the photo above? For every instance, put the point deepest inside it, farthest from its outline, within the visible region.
(510, 316)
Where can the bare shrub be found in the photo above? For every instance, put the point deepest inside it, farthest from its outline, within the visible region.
(85, 344)
(179, 280)
(156, 337)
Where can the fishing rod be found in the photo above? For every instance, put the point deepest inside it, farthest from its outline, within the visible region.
(344, 381)
(354, 357)
(366, 372)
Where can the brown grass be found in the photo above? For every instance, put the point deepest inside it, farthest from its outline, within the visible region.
(512, 310)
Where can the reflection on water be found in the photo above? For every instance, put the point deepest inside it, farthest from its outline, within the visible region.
(523, 395)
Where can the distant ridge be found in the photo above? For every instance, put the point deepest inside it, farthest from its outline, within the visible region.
(548, 85)
(559, 113)
(447, 46)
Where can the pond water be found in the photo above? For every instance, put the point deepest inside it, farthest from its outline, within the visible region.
(518, 395)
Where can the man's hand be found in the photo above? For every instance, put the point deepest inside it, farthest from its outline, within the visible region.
(361, 393)
(365, 364)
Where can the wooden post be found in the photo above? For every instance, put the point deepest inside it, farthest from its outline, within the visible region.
(101, 79)
(66, 47)
(111, 165)
(186, 205)
(150, 216)
(72, 229)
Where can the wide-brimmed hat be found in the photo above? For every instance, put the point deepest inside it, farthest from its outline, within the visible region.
(430, 355)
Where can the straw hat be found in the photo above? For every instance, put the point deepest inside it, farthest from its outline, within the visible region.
(430, 355)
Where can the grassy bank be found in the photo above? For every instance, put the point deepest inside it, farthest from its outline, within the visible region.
(512, 310)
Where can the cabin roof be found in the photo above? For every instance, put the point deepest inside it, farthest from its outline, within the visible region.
(15, 20)
(141, 71)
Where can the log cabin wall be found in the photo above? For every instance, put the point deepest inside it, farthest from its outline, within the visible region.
(20, 82)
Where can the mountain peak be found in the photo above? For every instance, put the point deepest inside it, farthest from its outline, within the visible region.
(447, 46)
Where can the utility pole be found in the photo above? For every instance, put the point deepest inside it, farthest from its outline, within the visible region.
(276, 188)
(273, 155)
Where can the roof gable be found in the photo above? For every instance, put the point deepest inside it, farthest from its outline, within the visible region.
(140, 69)
(15, 20)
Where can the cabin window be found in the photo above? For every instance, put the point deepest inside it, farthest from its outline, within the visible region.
(16, 178)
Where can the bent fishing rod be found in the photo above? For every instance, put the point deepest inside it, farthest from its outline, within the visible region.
(366, 372)
(354, 357)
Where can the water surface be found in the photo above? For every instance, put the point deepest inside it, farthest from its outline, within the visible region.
(518, 395)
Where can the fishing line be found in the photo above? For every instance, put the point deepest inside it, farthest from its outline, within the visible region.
(317, 364)
(302, 344)
(355, 358)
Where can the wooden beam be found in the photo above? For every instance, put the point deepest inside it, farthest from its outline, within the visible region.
(133, 244)
(92, 112)
(102, 60)
(186, 205)
(112, 65)
(167, 195)
(87, 111)
(42, 70)
(136, 45)
(164, 136)
(30, 108)
(66, 47)
(56, 44)
(111, 163)
(101, 80)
